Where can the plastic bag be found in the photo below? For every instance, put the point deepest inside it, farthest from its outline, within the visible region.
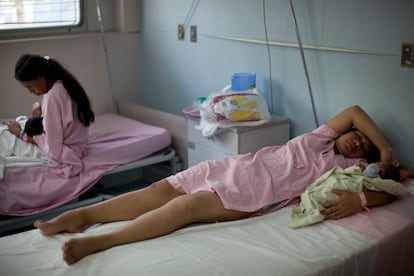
(228, 109)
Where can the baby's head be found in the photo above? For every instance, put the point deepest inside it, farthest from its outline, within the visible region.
(383, 170)
(388, 171)
(34, 126)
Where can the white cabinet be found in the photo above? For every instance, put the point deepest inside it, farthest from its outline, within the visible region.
(236, 140)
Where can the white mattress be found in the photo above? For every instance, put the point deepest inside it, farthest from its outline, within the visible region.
(257, 246)
(377, 244)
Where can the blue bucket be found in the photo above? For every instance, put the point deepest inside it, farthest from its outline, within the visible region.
(243, 81)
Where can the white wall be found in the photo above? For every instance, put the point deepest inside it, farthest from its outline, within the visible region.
(180, 71)
(88, 65)
(149, 66)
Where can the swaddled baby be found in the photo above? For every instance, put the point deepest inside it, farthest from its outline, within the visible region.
(34, 126)
(350, 179)
(383, 170)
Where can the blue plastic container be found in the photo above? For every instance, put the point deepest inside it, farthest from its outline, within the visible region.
(243, 81)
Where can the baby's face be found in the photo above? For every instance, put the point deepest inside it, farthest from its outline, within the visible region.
(385, 170)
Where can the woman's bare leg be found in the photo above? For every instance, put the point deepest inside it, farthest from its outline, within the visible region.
(124, 207)
(179, 212)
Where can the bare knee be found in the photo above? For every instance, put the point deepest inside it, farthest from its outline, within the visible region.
(204, 207)
(187, 208)
(163, 187)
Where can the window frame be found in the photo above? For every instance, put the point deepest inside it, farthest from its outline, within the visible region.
(50, 30)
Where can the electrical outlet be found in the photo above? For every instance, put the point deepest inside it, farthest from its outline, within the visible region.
(193, 33)
(180, 32)
(407, 55)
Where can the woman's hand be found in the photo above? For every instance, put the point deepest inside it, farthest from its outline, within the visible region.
(347, 204)
(37, 109)
(14, 127)
(31, 140)
(388, 155)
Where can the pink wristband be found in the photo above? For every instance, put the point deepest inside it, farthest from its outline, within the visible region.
(364, 202)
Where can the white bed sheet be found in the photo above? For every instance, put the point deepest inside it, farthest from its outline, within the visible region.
(257, 246)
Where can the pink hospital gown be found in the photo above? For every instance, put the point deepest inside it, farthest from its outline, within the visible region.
(65, 138)
(251, 181)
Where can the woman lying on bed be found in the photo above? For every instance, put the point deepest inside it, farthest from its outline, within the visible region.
(232, 188)
(65, 109)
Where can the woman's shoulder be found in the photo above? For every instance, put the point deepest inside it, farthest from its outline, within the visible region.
(56, 95)
(323, 132)
(57, 90)
(326, 131)
(58, 85)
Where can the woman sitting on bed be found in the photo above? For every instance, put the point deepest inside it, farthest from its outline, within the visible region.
(232, 188)
(65, 109)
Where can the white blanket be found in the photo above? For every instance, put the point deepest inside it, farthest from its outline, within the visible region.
(16, 153)
(259, 246)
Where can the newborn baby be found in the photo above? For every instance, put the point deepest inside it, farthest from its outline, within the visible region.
(376, 177)
(382, 170)
(34, 126)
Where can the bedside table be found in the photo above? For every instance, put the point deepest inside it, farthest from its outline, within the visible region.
(235, 140)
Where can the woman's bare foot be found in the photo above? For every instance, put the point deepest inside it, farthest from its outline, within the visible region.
(76, 248)
(72, 222)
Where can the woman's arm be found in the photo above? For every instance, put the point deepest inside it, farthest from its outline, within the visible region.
(349, 203)
(356, 117)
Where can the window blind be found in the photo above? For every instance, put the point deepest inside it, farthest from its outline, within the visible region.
(25, 14)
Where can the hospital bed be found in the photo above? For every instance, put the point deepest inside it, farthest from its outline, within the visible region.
(116, 145)
(377, 244)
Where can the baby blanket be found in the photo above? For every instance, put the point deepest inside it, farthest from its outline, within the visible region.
(16, 153)
(351, 179)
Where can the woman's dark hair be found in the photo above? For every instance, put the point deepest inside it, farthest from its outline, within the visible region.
(374, 155)
(30, 67)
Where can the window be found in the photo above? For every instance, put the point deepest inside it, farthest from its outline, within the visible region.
(29, 14)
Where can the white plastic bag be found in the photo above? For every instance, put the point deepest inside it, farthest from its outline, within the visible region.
(229, 108)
